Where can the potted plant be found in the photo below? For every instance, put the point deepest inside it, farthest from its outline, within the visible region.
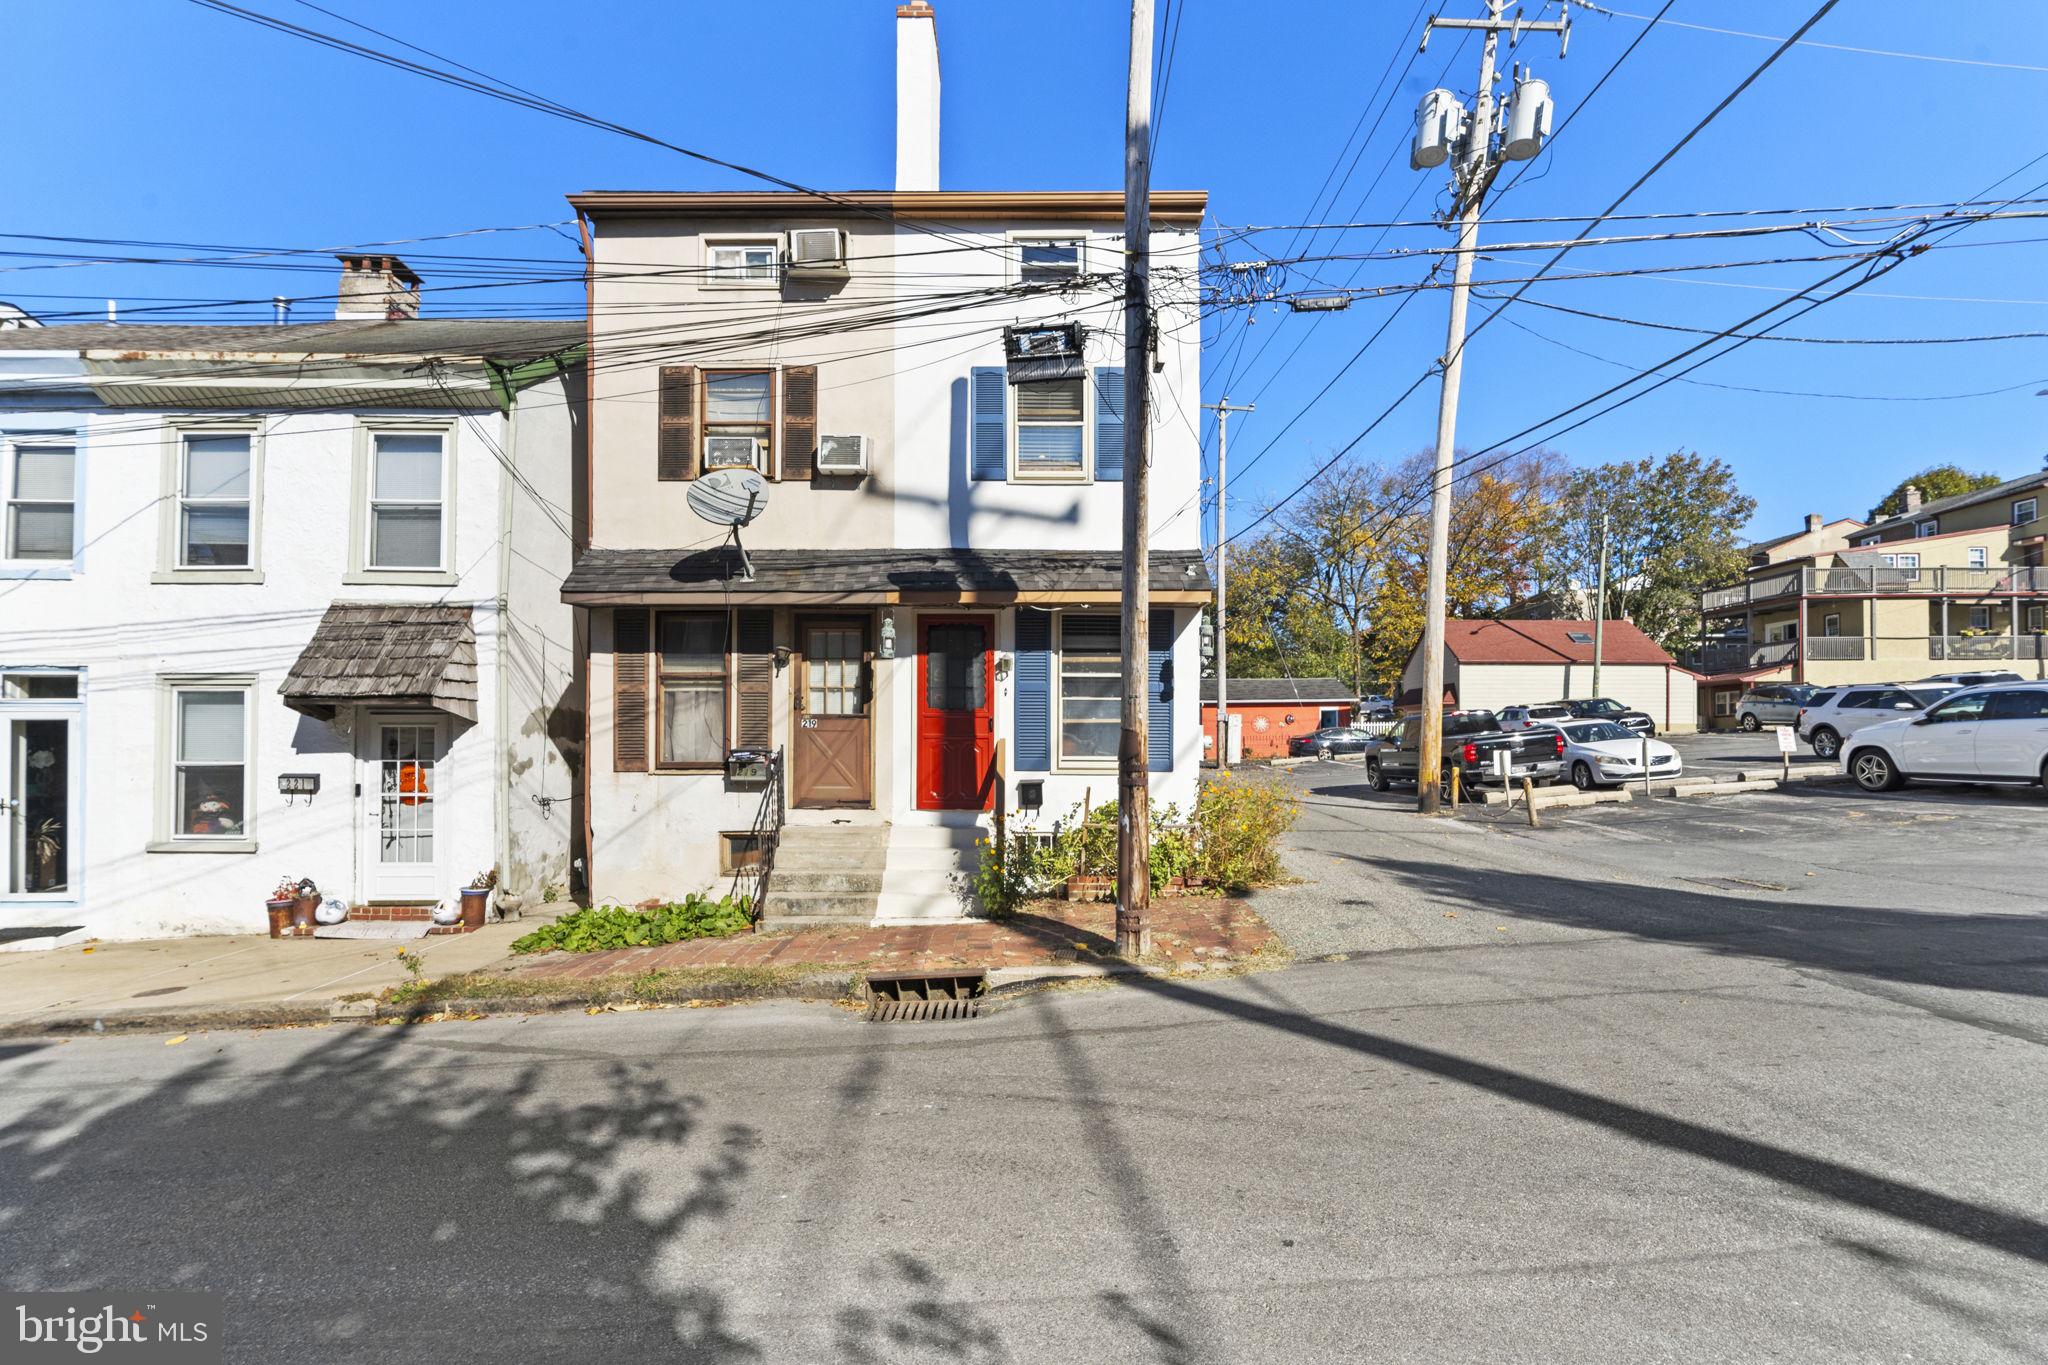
(476, 897)
(45, 851)
(305, 903)
(280, 905)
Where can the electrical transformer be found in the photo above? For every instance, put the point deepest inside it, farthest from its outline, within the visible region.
(1439, 122)
(1528, 120)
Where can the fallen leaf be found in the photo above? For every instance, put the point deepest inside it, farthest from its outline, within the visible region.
(594, 1009)
(1081, 947)
(1450, 914)
(173, 1042)
(85, 950)
(1500, 928)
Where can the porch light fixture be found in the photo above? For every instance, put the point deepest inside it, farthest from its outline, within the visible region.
(888, 650)
(782, 653)
(1002, 667)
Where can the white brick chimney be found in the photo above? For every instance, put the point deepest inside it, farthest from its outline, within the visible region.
(379, 288)
(917, 96)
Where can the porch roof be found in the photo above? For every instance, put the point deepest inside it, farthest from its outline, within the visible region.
(608, 577)
(395, 654)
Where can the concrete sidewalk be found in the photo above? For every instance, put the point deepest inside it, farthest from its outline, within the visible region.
(243, 979)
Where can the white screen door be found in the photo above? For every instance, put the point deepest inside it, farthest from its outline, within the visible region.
(39, 803)
(401, 788)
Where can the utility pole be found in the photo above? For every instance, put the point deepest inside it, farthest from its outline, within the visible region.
(1223, 411)
(1600, 605)
(1134, 797)
(1474, 160)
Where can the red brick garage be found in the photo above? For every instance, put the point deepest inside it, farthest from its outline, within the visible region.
(1271, 710)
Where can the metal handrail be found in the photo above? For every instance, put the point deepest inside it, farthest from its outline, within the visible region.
(766, 832)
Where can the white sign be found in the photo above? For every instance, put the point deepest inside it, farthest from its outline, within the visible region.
(1503, 763)
(1786, 740)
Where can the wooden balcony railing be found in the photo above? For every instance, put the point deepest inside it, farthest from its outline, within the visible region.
(1882, 580)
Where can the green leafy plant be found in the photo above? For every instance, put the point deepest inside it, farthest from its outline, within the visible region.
(1238, 823)
(603, 927)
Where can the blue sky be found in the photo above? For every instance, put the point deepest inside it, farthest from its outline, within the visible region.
(160, 120)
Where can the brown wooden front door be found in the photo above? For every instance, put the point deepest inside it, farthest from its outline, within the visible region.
(832, 759)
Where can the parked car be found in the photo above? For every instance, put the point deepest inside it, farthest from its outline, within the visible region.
(1374, 709)
(1333, 739)
(1996, 735)
(1772, 704)
(1601, 753)
(1471, 738)
(1606, 708)
(1830, 717)
(1528, 717)
(1975, 679)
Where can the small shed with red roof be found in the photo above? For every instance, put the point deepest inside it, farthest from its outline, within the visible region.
(1492, 664)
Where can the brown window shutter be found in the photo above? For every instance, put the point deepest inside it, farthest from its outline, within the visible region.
(799, 421)
(677, 455)
(754, 673)
(630, 642)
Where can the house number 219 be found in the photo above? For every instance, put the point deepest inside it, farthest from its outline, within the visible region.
(808, 723)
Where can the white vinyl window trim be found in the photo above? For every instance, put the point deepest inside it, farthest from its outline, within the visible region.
(38, 499)
(1088, 692)
(211, 527)
(743, 260)
(206, 786)
(1924, 529)
(2023, 511)
(1980, 557)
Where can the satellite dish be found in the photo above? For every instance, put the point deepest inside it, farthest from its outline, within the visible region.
(729, 497)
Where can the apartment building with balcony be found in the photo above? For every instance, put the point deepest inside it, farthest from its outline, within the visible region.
(1948, 585)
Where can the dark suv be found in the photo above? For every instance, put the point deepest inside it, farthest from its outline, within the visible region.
(1606, 708)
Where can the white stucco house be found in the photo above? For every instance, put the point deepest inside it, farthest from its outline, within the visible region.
(285, 600)
(925, 616)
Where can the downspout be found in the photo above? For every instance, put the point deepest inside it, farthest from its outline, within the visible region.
(582, 660)
(507, 896)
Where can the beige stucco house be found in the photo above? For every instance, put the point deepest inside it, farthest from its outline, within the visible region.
(921, 616)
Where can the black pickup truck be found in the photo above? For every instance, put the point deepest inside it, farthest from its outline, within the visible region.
(1471, 739)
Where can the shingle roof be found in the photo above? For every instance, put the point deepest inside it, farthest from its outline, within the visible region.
(1940, 505)
(417, 654)
(1252, 691)
(1549, 642)
(871, 574)
(498, 338)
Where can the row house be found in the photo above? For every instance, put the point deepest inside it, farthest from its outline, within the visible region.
(1950, 585)
(285, 600)
(919, 394)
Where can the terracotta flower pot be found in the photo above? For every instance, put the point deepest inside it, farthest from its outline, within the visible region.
(475, 901)
(280, 912)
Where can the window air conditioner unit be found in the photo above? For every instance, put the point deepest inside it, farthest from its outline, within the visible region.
(815, 252)
(843, 455)
(1044, 352)
(732, 452)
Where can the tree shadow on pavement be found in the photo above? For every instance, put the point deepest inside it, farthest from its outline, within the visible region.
(1984, 1225)
(2002, 953)
(369, 1199)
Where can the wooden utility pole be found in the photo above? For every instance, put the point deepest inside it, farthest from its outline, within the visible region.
(1600, 606)
(1134, 797)
(1223, 411)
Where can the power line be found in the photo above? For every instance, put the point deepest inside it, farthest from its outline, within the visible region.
(1833, 47)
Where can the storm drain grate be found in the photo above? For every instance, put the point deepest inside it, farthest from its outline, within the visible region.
(925, 996)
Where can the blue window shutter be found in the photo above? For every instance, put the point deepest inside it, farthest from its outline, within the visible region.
(1034, 691)
(990, 438)
(1159, 695)
(1109, 423)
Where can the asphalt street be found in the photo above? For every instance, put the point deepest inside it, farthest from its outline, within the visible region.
(1633, 1087)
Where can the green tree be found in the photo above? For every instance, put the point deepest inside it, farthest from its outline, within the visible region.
(1935, 481)
(1673, 529)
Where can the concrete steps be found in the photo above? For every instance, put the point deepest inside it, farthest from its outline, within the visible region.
(826, 874)
(930, 872)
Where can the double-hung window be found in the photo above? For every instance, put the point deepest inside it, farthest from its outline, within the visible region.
(1931, 527)
(1980, 557)
(2023, 511)
(1048, 260)
(407, 496)
(690, 658)
(39, 479)
(1980, 618)
(743, 262)
(739, 419)
(209, 763)
(1051, 432)
(1091, 690)
(215, 500)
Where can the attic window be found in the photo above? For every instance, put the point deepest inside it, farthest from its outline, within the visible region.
(1578, 637)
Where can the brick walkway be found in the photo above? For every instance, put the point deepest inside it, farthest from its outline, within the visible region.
(1187, 931)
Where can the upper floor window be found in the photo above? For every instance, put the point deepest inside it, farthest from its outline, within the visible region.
(1051, 438)
(39, 481)
(215, 501)
(406, 510)
(2023, 511)
(739, 407)
(1048, 259)
(1931, 527)
(743, 262)
(1980, 557)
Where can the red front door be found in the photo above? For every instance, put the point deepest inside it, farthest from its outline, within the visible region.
(955, 716)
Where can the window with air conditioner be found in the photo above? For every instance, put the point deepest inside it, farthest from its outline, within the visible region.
(739, 408)
(817, 251)
(755, 261)
(843, 455)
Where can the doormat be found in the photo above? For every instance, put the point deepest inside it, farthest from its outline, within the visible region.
(390, 928)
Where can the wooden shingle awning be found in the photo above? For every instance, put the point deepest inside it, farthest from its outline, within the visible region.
(386, 654)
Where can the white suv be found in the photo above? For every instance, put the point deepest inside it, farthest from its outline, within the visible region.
(1992, 735)
(1832, 716)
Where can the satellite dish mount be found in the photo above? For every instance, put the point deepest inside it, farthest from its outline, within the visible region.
(731, 498)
